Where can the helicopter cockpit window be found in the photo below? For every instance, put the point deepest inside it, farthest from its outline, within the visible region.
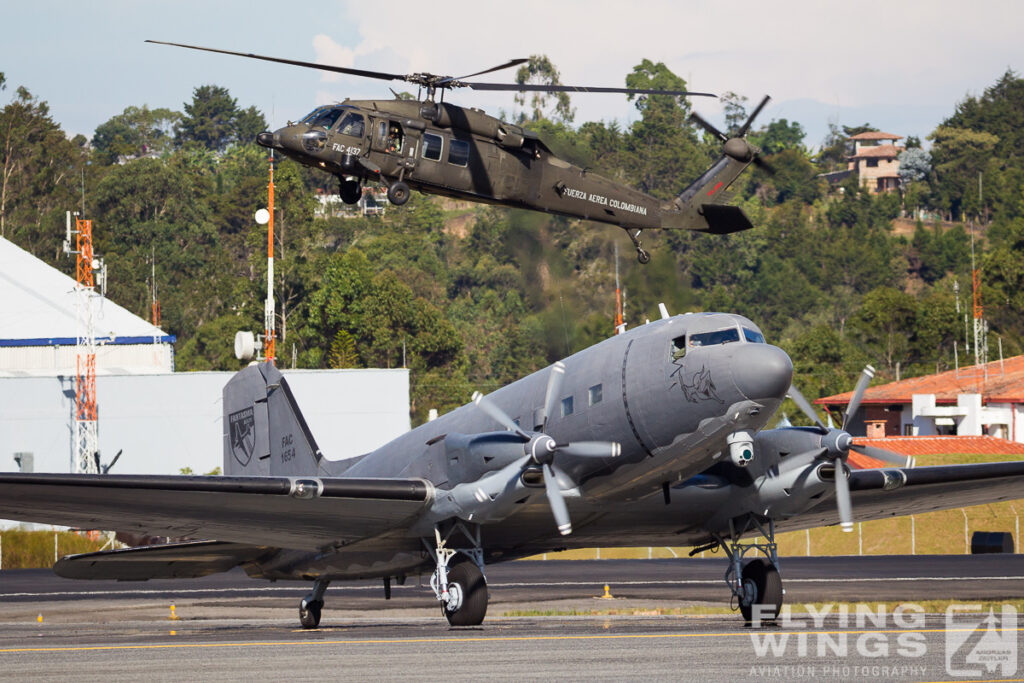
(458, 153)
(726, 336)
(432, 145)
(313, 115)
(753, 336)
(352, 125)
(327, 118)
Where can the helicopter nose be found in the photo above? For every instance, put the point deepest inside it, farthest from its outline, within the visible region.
(265, 139)
(762, 371)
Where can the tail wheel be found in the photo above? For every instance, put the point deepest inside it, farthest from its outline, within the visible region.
(398, 193)
(762, 585)
(467, 582)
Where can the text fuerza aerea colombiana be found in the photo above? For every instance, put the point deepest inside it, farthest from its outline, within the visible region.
(604, 201)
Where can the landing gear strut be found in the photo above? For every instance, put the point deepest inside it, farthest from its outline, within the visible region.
(756, 586)
(313, 604)
(459, 584)
(641, 255)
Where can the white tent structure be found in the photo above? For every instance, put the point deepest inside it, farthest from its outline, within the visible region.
(39, 330)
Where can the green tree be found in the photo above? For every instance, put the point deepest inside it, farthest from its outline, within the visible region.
(778, 136)
(540, 71)
(135, 132)
(886, 321)
(213, 120)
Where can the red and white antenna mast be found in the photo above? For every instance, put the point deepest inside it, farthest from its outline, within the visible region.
(87, 440)
(267, 216)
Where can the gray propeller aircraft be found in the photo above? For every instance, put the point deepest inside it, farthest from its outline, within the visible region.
(439, 148)
(653, 437)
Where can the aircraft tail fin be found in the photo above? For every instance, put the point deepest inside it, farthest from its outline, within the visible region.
(265, 433)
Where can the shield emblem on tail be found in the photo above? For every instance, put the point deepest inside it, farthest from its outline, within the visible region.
(243, 435)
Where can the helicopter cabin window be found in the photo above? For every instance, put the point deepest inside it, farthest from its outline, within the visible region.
(726, 336)
(752, 336)
(567, 406)
(594, 394)
(458, 153)
(352, 125)
(432, 145)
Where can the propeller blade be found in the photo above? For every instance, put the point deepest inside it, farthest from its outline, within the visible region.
(591, 449)
(511, 62)
(551, 398)
(897, 459)
(750, 119)
(557, 502)
(843, 498)
(530, 87)
(498, 415)
(310, 65)
(858, 394)
(802, 403)
(703, 123)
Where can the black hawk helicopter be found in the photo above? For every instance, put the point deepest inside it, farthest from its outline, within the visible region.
(440, 148)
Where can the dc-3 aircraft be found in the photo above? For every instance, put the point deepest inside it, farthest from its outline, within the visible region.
(439, 148)
(651, 437)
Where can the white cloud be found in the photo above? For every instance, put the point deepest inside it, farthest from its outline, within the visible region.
(330, 53)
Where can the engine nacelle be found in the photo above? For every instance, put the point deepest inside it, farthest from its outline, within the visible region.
(741, 447)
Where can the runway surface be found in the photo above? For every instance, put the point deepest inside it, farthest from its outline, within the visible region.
(229, 626)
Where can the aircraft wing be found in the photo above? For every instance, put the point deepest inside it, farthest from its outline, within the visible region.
(891, 492)
(283, 512)
(168, 561)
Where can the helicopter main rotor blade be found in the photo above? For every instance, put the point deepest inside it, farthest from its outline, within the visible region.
(802, 403)
(858, 394)
(529, 87)
(511, 62)
(293, 62)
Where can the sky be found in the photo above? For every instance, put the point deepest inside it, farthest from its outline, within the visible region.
(900, 66)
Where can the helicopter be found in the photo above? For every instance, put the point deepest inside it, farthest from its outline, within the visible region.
(440, 148)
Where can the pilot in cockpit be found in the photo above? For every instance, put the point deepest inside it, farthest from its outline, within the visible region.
(394, 141)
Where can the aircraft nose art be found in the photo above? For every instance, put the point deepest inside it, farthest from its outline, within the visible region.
(762, 371)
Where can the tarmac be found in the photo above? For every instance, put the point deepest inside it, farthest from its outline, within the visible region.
(545, 620)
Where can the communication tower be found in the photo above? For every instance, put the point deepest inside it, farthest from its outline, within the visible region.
(89, 271)
(245, 341)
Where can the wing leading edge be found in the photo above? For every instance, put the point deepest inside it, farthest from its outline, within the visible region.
(301, 513)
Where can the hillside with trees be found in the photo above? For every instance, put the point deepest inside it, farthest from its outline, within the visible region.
(472, 297)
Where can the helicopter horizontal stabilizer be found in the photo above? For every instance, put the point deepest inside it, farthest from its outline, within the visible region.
(723, 219)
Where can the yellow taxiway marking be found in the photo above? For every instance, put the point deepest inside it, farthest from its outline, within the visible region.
(472, 639)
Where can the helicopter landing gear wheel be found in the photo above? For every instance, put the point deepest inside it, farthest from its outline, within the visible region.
(313, 604)
(762, 586)
(467, 605)
(350, 191)
(641, 255)
(398, 193)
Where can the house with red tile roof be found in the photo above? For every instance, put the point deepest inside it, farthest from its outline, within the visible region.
(875, 160)
(979, 400)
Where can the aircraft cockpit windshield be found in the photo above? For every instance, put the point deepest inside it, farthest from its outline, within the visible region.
(726, 335)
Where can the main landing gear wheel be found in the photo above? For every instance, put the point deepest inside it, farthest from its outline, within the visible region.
(641, 254)
(350, 191)
(309, 613)
(762, 585)
(398, 193)
(467, 605)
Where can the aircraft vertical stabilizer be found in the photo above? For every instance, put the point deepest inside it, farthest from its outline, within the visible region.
(264, 431)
